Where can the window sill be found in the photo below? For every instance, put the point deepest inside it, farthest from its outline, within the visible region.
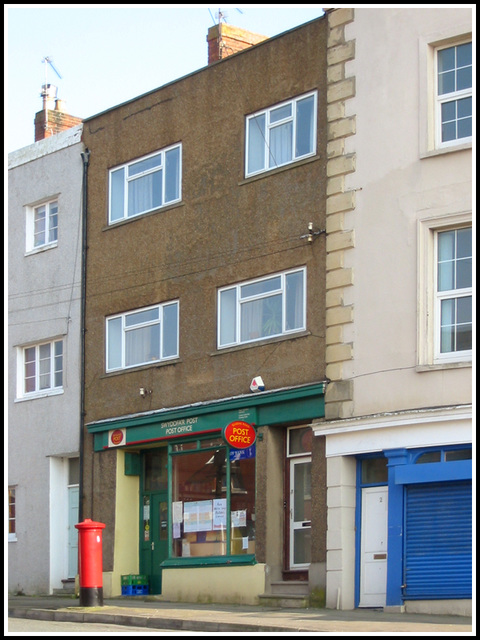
(224, 561)
(44, 247)
(440, 366)
(440, 151)
(36, 396)
(284, 167)
(141, 367)
(260, 343)
(139, 216)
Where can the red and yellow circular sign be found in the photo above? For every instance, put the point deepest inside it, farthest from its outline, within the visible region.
(239, 434)
(117, 437)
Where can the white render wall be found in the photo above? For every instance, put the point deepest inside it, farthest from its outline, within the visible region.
(397, 184)
(43, 303)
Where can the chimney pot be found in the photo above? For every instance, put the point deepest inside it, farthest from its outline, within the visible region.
(60, 106)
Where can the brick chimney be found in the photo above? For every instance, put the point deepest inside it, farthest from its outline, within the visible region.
(52, 118)
(223, 40)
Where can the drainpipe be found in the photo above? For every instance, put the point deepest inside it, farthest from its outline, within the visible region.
(85, 157)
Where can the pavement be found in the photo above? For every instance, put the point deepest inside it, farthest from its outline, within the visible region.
(154, 613)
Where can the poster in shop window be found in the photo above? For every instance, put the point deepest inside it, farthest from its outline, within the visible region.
(197, 516)
(219, 514)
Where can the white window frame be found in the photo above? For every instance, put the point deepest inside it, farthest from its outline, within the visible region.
(452, 97)
(240, 301)
(124, 330)
(51, 212)
(12, 536)
(271, 125)
(125, 179)
(450, 294)
(428, 333)
(53, 359)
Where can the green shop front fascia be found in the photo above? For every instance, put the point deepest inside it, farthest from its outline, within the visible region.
(200, 526)
(284, 406)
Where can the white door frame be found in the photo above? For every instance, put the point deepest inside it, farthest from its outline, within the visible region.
(373, 547)
(299, 525)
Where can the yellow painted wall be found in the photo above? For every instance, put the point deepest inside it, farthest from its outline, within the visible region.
(126, 552)
(239, 585)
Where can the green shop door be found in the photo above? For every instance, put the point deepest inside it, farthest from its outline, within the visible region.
(154, 518)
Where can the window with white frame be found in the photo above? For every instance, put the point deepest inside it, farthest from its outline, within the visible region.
(40, 369)
(146, 184)
(12, 528)
(42, 226)
(142, 336)
(262, 308)
(454, 293)
(281, 134)
(454, 94)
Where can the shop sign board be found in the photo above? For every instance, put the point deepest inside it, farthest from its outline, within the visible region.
(239, 434)
(177, 427)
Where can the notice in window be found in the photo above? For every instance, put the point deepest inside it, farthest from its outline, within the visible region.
(177, 512)
(198, 516)
(219, 514)
(239, 518)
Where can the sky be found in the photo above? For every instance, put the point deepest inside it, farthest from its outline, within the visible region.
(108, 54)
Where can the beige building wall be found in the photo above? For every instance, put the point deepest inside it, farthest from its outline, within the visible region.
(388, 187)
(385, 184)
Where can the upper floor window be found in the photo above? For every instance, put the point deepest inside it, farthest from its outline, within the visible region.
(42, 226)
(454, 293)
(142, 336)
(262, 308)
(454, 94)
(145, 184)
(281, 134)
(42, 369)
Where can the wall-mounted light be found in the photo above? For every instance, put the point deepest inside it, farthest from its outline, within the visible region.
(144, 391)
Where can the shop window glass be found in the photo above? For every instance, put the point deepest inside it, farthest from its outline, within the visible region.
(211, 516)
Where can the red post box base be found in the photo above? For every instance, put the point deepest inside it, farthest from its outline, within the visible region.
(91, 596)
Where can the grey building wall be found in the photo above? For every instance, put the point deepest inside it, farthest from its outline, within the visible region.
(43, 304)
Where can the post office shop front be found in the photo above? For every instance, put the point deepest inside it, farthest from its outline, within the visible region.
(191, 488)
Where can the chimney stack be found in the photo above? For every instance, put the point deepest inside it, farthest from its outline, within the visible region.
(52, 118)
(223, 40)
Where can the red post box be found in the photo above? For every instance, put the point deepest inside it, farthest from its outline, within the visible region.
(90, 562)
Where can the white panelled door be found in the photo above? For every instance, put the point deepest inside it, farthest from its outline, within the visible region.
(373, 547)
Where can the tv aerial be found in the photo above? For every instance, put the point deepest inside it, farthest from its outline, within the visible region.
(49, 92)
(221, 16)
(49, 61)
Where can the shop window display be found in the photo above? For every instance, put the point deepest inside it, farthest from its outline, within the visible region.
(213, 500)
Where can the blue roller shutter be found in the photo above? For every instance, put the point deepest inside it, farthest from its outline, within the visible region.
(438, 541)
